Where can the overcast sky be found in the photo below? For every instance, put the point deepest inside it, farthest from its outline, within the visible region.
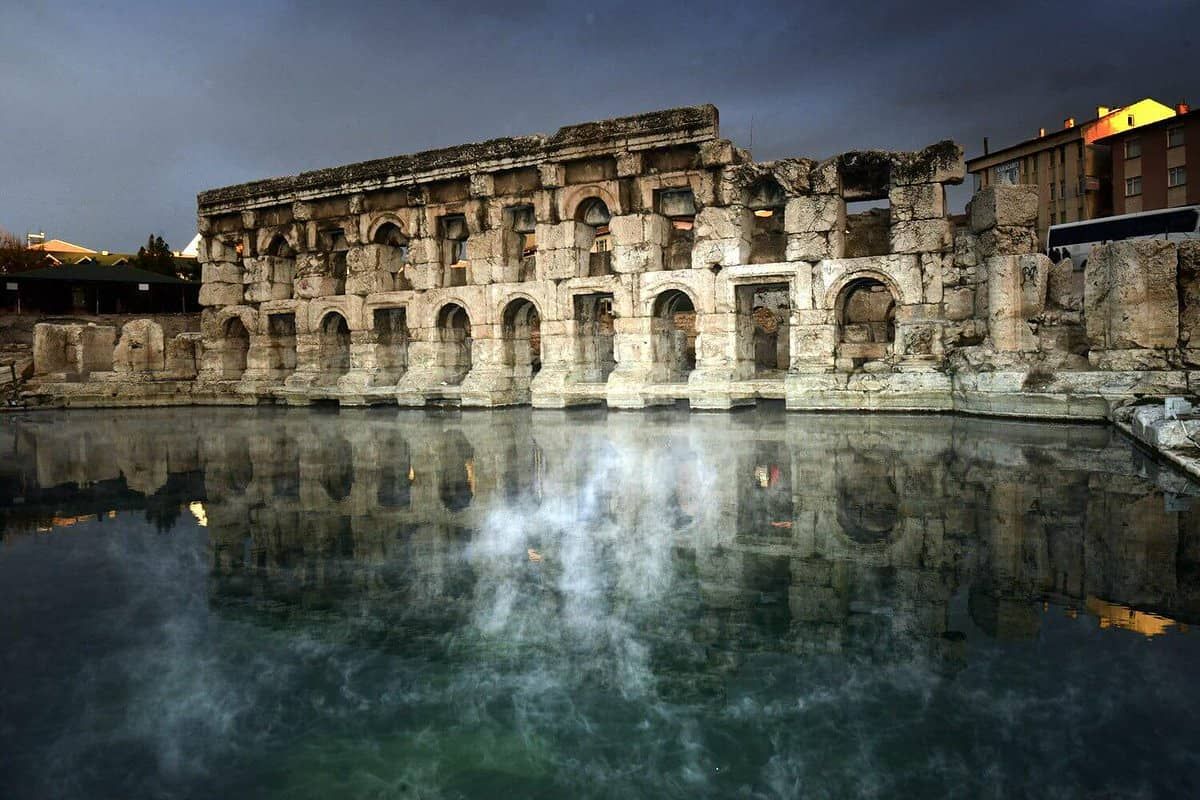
(114, 115)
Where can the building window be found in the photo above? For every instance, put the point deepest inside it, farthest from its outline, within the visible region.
(1133, 186)
(1062, 189)
(1053, 218)
(1053, 190)
(1175, 136)
(1009, 173)
(1133, 147)
(1177, 176)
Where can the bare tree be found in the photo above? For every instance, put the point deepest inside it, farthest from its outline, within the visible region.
(16, 257)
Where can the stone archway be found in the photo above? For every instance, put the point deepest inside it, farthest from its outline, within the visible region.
(334, 352)
(594, 337)
(673, 335)
(866, 323)
(235, 345)
(522, 352)
(594, 213)
(454, 338)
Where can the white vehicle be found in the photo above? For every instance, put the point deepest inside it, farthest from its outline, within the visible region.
(1075, 240)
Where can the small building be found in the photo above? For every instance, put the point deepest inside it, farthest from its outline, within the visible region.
(1072, 166)
(1150, 164)
(88, 286)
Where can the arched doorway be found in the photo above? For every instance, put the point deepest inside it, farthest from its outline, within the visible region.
(594, 335)
(522, 332)
(593, 212)
(335, 347)
(236, 341)
(390, 235)
(673, 329)
(279, 247)
(454, 335)
(866, 316)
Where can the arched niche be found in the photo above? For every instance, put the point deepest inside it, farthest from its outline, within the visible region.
(673, 330)
(866, 322)
(235, 345)
(454, 337)
(334, 353)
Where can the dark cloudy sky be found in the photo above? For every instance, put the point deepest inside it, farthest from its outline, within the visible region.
(113, 115)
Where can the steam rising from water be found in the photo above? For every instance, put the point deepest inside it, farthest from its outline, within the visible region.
(612, 628)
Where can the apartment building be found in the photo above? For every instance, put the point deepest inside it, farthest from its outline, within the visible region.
(1150, 164)
(1072, 166)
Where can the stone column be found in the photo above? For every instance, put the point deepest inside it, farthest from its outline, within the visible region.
(634, 348)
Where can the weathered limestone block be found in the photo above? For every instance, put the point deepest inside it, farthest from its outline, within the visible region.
(221, 294)
(938, 163)
(960, 303)
(483, 184)
(722, 237)
(814, 213)
(810, 246)
(717, 153)
(1016, 294)
(314, 278)
(825, 178)
(1004, 205)
(1005, 240)
(922, 236)
(212, 248)
(425, 270)
(564, 263)
(638, 241)
(634, 229)
(627, 259)
(916, 202)
(1189, 294)
(141, 348)
(965, 249)
(183, 353)
(552, 175)
(1131, 299)
(485, 256)
(73, 349)
(220, 272)
(1065, 287)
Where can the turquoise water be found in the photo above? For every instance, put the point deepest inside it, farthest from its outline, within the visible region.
(298, 603)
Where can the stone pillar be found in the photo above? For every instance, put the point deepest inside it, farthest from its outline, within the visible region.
(268, 278)
(815, 226)
(141, 349)
(722, 236)
(364, 368)
(490, 382)
(548, 389)
(718, 363)
(1016, 294)
(561, 253)
(308, 362)
(1131, 304)
(638, 242)
(634, 348)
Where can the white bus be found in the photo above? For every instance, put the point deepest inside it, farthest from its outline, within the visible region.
(1075, 240)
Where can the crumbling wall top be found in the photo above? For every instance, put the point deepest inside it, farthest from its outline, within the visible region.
(688, 125)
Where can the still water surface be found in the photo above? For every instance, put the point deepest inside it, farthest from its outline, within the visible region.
(291, 603)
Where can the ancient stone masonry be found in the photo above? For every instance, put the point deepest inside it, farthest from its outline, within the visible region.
(645, 260)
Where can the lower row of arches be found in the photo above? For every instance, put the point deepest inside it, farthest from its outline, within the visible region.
(865, 316)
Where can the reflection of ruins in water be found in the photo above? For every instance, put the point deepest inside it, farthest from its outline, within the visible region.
(757, 531)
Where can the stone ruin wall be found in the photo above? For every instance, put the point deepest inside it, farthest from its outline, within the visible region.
(641, 261)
